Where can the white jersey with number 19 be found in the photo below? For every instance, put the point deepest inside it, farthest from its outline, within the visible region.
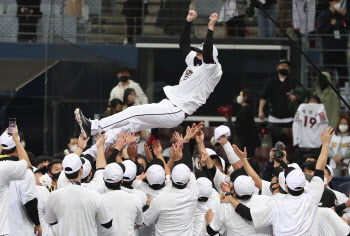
(309, 121)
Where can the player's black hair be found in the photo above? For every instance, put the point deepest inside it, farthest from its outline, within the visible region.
(113, 186)
(73, 175)
(49, 166)
(248, 95)
(123, 69)
(309, 165)
(178, 186)
(7, 152)
(42, 159)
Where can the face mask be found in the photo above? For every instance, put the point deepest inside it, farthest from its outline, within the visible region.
(273, 189)
(343, 128)
(336, 6)
(124, 78)
(239, 99)
(55, 176)
(325, 180)
(197, 62)
(283, 72)
(23, 144)
(73, 148)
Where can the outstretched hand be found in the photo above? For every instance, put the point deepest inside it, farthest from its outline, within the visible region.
(222, 140)
(176, 152)
(82, 141)
(226, 187)
(327, 135)
(100, 140)
(192, 14)
(148, 153)
(120, 141)
(239, 153)
(157, 147)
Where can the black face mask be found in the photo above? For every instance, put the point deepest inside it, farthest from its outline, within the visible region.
(197, 62)
(55, 176)
(283, 72)
(124, 78)
(273, 189)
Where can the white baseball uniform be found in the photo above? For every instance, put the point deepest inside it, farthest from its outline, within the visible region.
(194, 88)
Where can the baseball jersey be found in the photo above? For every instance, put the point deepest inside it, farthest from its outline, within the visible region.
(173, 211)
(199, 222)
(330, 224)
(293, 215)
(20, 193)
(77, 210)
(309, 122)
(9, 171)
(226, 218)
(126, 209)
(195, 86)
(42, 195)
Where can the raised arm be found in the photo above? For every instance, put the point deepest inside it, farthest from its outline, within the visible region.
(82, 143)
(208, 42)
(176, 155)
(100, 159)
(185, 39)
(158, 152)
(326, 138)
(22, 154)
(231, 155)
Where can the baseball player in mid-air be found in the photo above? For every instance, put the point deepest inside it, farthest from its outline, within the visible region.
(202, 74)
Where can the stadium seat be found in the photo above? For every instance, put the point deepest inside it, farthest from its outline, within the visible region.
(95, 6)
(262, 155)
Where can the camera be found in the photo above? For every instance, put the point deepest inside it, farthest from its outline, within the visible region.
(279, 148)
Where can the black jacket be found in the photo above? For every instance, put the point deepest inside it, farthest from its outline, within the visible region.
(324, 26)
(278, 93)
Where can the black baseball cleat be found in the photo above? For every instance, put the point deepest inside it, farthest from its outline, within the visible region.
(84, 123)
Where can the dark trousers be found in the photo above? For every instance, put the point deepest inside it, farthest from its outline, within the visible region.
(236, 26)
(337, 60)
(277, 133)
(27, 29)
(133, 26)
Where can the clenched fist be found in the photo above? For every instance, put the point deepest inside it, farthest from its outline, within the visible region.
(213, 19)
(192, 14)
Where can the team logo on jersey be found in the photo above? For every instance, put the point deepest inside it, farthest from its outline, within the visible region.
(322, 116)
(188, 73)
(297, 115)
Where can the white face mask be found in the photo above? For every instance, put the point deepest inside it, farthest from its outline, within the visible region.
(73, 148)
(239, 99)
(336, 6)
(325, 180)
(343, 128)
(23, 144)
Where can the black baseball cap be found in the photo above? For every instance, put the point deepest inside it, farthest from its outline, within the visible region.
(284, 61)
(197, 50)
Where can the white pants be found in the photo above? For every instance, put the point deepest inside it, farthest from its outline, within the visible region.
(137, 118)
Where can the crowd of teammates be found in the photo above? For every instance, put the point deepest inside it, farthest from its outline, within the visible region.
(108, 189)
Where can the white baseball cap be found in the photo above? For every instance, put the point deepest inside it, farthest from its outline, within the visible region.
(181, 174)
(220, 131)
(86, 167)
(7, 142)
(210, 151)
(71, 163)
(296, 180)
(155, 174)
(295, 166)
(282, 181)
(204, 186)
(113, 173)
(130, 170)
(244, 185)
(330, 170)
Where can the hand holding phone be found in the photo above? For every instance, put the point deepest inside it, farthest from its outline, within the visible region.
(12, 125)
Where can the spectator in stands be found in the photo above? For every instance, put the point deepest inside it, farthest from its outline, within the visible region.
(304, 14)
(54, 170)
(28, 13)
(278, 90)
(134, 11)
(339, 150)
(233, 13)
(245, 128)
(328, 97)
(333, 23)
(124, 75)
(115, 106)
(129, 98)
(266, 27)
